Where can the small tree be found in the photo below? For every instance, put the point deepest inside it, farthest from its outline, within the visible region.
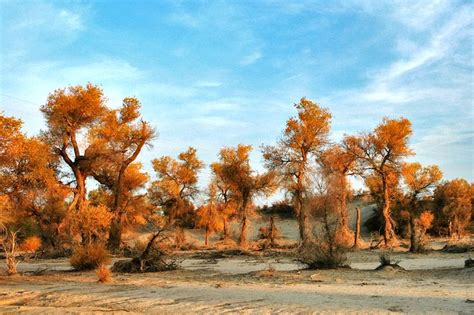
(209, 215)
(453, 200)
(176, 186)
(234, 169)
(329, 251)
(418, 180)
(8, 240)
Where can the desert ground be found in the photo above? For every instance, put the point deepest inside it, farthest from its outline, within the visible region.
(271, 281)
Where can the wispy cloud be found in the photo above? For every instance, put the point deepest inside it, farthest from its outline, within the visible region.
(208, 84)
(251, 58)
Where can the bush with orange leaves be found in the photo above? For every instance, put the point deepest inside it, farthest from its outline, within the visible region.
(91, 222)
(89, 257)
(31, 244)
(104, 274)
(425, 221)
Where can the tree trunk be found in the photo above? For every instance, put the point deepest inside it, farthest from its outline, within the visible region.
(226, 229)
(272, 232)
(115, 234)
(206, 241)
(388, 227)
(343, 210)
(302, 219)
(243, 231)
(413, 239)
(357, 229)
(80, 193)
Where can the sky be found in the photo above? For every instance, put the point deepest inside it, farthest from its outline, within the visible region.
(218, 73)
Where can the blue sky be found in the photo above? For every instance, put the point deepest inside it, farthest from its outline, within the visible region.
(214, 73)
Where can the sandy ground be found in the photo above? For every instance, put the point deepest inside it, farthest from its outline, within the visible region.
(435, 283)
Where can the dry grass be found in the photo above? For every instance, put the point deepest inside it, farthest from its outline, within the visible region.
(104, 274)
(89, 257)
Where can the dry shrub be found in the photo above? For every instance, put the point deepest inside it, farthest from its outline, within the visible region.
(269, 234)
(386, 262)
(31, 244)
(328, 252)
(469, 263)
(322, 255)
(104, 274)
(152, 259)
(89, 257)
(269, 272)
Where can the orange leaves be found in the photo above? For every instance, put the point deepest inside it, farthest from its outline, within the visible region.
(92, 220)
(425, 221)
(418, 178)
(68, 110)
(31, 244)
(310, 130)
(176, 183)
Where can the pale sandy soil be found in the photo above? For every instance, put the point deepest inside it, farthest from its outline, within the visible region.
(234, 285)
(434, 282)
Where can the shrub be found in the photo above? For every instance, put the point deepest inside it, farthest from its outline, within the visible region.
(103, 273)
(321, 256)
(31, 244)
(89, 257)
(329, 251)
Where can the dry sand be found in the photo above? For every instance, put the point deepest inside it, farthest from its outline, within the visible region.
(435, 282)
(234, 285)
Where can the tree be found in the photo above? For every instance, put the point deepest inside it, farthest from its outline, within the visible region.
(134, 203)
(418, 180)
(338, 163)
(381, 153)
(115, 144)
(227, 205)
(235, 171)
(304, 139)
(209, 216)
(176, 185)
(453, 200)
(28, 181)
(69, 113)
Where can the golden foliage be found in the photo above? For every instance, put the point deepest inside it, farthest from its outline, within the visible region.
(454, 200)
(303, 139)
(31, 244)
(104, 274)
(176, 183)
(89, 257)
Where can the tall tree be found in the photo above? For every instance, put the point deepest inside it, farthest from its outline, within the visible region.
(175, 186)
(303, 140)
(418, 180)
(338, 163)
(69, 113)
(115, 144)
(235, 171)
(381, 153)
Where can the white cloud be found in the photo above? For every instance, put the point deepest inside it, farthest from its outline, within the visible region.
(208, 84)
(251, 58)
